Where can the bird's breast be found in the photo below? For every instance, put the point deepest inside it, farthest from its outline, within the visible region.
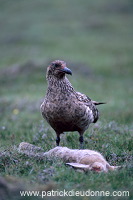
(65, 113)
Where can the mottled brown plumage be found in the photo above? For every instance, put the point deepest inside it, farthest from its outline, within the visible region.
(64, 108)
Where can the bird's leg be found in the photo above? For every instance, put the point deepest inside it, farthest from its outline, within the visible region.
(81, 140)
(57, 139)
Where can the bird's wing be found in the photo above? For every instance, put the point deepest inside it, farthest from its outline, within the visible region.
(87, 100)
(83, 98)
(89, 103)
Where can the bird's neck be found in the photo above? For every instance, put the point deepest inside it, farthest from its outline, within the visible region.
(61, 85)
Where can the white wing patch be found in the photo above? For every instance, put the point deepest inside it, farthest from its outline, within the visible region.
(90, 113)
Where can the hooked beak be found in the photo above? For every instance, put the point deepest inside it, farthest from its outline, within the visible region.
(66, 70)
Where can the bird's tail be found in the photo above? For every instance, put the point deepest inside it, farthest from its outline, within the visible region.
(98, 103)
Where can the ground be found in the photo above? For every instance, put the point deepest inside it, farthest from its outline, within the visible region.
(95, 39)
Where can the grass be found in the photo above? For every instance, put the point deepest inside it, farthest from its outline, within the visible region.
(95, 39)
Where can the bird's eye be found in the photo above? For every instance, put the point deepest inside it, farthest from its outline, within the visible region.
(56, 65)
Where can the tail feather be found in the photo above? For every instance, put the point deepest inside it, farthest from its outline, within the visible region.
(98, 103)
